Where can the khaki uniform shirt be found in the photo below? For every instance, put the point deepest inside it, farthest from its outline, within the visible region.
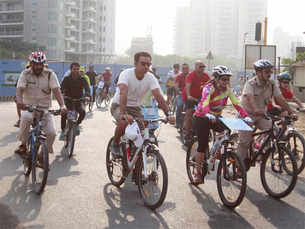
(38, 88)
(262, 93)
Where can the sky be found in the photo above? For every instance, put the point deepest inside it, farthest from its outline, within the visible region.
(135, 17)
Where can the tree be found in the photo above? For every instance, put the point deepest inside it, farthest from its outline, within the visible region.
(15, 49)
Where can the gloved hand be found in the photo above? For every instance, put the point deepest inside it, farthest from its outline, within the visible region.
(210, 116)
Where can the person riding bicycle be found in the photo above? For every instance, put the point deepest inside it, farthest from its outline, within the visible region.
(73, 87)
(34, 88)
(107, 76)
(133, 85)
(214, 99)
(170, 83)
(191, 94)
(92, 76)
(180, 84)
(284, 80)
(255, 97)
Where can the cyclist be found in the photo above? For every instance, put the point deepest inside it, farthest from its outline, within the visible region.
(133, 85)
(214, 98)
(180, 84)
(255, 97)
(34, 88)
(170, 83)
(191, 94)
(284, 80)
(92, 76)
(73, 86)
(107, 76)
(82, 71)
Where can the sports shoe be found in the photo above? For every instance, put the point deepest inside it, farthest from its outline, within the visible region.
(62, 136)
(17, 124)
(77, 130)
(116, 150)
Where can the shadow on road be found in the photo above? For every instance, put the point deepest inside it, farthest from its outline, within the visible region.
(11, 137)
(219, 215)
(21, 200)
(277, 212)
(127, 211)
(7, 219)
(9, 166)
(89, 115)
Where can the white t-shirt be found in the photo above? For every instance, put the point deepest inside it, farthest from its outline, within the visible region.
(137, 89)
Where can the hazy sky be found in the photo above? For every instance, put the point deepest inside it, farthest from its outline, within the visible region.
(134, 17)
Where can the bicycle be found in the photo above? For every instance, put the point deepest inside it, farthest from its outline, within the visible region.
(231, 173)
(101, 97)
(275, 158)
(70, 131)
(34, 162)
(145, 161)
(173, 102)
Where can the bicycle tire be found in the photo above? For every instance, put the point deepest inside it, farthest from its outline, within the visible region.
(90, 106)
(283, 154)
(39, 187)
(98, 101)
(153, 177)
(107, 101)
(70, 138)
(190, 161)
(299, 155)
(27, 160)
(231, 159)
(109, 166)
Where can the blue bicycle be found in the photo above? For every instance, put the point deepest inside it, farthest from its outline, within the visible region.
(33, 160)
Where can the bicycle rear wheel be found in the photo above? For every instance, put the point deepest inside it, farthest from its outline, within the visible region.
(296, 145)
(276, 181)
(40, 169)
(98, 101)
(114, 167)
(191, 163)
(153, 189)
(231, 179)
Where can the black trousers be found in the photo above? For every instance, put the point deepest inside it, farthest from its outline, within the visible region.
(79, 109)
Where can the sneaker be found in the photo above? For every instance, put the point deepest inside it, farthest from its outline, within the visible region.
(116, 150)
(21, 150)
(17, 123)
(62, 136)
(77, 130)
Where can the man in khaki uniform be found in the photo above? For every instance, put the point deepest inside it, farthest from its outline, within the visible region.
(34, 88)
(256, 94)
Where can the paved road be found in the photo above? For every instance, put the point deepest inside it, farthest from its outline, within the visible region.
(78, 193)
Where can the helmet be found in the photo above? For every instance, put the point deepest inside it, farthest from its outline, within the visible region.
(221, 70)
(38, 57)
(261, 64)
(82, 69)
(284, 76)
(107, 68)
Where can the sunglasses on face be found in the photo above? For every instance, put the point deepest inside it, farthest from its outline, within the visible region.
(202, 66)
(225, 79)
(145, 64)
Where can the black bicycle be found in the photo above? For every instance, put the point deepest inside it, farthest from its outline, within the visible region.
(33, 160)
(231, 175)
(102, 99)
(278, 169)
(70, 131)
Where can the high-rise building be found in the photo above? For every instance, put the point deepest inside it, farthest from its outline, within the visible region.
(72, 30)
(219, 26)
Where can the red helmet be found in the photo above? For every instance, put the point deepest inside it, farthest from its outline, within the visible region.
(38, 57)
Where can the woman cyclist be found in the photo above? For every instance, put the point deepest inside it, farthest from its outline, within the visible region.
(214, 98)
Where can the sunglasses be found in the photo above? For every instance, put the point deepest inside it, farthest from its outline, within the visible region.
(202, 66)
(145, 64)
(225, 79)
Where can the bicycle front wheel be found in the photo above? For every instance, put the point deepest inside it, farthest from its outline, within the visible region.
(153, 188)
(296, 145)
(27, 160)
(278, 172)
(231, 179)
(70, 141)
(40, 169)
(98, 101)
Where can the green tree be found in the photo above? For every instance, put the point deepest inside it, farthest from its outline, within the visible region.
(14, 49)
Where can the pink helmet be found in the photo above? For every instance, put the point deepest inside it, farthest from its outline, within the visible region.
(38, 57)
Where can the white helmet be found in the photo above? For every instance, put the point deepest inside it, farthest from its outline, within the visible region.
(261, 64)
(221, 70)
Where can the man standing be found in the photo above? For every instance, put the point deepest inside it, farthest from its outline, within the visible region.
(180, 84)
(133, 85)
(92, 76)
(191, 94)
(34, 88)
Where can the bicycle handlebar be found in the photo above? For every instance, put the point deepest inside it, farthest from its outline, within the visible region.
(34, 108)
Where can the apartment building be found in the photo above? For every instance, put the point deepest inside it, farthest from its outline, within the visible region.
(71, 30)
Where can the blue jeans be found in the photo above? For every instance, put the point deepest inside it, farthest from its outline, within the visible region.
(179, 110)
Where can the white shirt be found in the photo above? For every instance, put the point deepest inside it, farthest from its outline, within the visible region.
(137, 89)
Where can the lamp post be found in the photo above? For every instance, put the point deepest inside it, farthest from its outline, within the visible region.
(243, 61)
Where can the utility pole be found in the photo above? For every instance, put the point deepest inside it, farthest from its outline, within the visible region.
(265, 33)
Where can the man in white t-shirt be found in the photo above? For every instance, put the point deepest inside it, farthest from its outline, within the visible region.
(133, 85)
